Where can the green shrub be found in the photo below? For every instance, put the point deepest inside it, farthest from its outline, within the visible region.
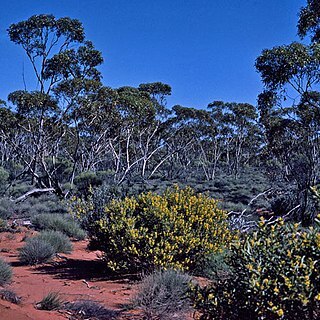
(6, 208)
(275, 275)
(31, 206)
(215, 267)
(58, 222)
(164, 295)
(178, 229)
(5, 272)
(3, 225)
(59, 241)
(86, 180)
(51, 301)
(36, 251)
(4, 175)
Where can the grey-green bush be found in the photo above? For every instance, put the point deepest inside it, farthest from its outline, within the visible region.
(10, 295)
(58, 222)
(87, 309)
(36, 251)
(164, 295)
(6, 208)
(59, 241)
(51, 301)
(5, 272)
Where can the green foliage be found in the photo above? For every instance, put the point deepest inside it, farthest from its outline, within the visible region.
(4, 175)
(51, 301)
(36, 251)
(309, 20)
(58, 222)
(6, 207)
(215, 267)
(275, 275)
(164, 295)
(31, 206)
(5, 272)
(3, 225)
(292, 131)
(86, 180)
(178, 229)
(59, 241)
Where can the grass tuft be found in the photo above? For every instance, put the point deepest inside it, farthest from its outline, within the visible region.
(59, 241)
(51, 301)
(5, 272)
(36, 251)
(164, 295)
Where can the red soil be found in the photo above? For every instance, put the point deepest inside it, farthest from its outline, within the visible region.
(78, 276)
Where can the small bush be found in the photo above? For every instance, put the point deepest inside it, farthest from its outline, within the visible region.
(36, 251)
(177, 229)
(51, 301)
(216, 267)
(4, 175)
(3, 225)
(163, 295)
(275, 275)
(6, 208)
(86, 180)
(87, 309)
(59, 241)
(9, 295)
(5, 272)
(58, 222)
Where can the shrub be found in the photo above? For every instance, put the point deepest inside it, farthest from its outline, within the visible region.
(51, 301)
(178, 229)
(36, 251)
(5, 272)
(276, 275)
(3, 225)
(86, 180)
(87, 309)
(4, 175)
(6, 208)
(58, 222)
(164, 295)
(9, 295)
(59, 241)
(215, 267)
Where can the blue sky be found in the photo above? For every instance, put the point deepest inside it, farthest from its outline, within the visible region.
(205, 49)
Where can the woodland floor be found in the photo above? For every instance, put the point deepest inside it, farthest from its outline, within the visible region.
(76, 276)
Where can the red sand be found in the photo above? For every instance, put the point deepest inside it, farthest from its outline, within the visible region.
(79, 275)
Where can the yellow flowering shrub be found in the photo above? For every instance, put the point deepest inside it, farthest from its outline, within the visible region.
(177, 229)
(276, 275)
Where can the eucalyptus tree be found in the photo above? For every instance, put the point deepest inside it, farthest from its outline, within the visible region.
(289, 109)
(237, 137)
(10, 138)
(309, 20)
(191, 130)
(64, 65)
(138, 141)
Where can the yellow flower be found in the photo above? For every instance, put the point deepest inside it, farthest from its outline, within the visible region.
(280, 312)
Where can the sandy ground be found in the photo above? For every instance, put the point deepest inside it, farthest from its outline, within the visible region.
(79, 275)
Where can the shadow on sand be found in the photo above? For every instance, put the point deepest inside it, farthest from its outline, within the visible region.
(93, 270)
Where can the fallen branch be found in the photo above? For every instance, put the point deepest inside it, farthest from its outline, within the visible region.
(31, 192)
